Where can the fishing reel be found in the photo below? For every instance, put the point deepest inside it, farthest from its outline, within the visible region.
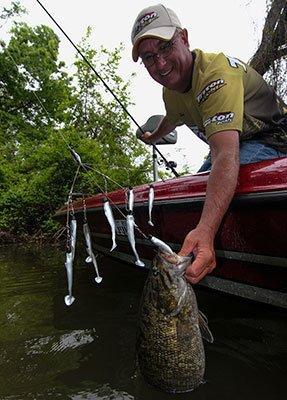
(168, 165)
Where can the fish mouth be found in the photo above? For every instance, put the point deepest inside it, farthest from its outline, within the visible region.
(176, 262)
(175, 258)
(170, 258)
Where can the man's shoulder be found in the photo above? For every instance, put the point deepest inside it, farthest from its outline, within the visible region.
(206, 63)
(213, 68)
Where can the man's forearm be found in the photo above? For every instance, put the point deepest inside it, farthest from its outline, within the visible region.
(220, 189)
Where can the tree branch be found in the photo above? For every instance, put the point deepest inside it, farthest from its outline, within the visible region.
(273, 37)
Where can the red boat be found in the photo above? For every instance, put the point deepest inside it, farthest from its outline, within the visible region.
(251, 243)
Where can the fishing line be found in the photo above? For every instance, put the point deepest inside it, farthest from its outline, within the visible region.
(80, 165)
(85, 167)
(34, 93)
(98, 186)
(59, 233)
(70, 208)
(106, 177)
(74, 180)
(70, 201)
(79, 162)
(59, 132)
(167, 163)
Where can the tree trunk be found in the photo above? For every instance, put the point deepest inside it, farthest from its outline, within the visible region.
(273, 45)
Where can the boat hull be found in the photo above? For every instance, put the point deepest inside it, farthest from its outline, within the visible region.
(251, 243)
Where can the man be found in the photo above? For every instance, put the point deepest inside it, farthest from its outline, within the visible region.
(235, 110)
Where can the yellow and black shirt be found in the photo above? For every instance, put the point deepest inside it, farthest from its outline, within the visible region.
(227, 94)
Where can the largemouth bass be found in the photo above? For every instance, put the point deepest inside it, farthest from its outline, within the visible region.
(170, 351)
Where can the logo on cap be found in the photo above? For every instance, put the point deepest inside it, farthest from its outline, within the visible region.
(144, 21)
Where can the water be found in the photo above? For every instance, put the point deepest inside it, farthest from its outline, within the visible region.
(49, 351)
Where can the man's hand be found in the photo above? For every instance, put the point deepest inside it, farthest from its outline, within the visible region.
(201, 244)
(146, 137)
(162, 130)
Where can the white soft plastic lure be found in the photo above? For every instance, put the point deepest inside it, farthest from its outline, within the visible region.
(150, 204)
(109, 215)
(131, 200)
(69, 299)
(162, 246)
(91, 257)
(131, 237)
(76, 156)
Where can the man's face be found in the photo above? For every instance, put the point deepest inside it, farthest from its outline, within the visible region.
(173, 70)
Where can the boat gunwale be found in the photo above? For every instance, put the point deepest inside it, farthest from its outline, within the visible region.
(255, 183)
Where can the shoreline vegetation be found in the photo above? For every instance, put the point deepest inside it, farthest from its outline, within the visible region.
(7, 238)
(40, 238)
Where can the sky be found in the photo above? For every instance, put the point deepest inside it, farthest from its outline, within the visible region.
(231, 26)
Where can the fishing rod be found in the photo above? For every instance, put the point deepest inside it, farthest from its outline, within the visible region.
(167, 163)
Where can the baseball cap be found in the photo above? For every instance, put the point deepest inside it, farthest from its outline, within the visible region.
(153, 22)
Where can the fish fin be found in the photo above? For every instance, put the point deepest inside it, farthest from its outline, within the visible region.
(203, 316)
(204, 329)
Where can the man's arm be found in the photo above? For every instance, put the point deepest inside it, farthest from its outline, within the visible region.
(220, 189)
(164, 127)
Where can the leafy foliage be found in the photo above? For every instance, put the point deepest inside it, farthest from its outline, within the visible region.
(44, 110)
(14, 10)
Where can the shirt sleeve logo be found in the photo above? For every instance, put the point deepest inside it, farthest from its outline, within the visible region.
(219, 119)
(209, 89)
(235, 63)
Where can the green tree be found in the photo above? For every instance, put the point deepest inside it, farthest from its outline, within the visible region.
(43, 111)
(36, 96)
